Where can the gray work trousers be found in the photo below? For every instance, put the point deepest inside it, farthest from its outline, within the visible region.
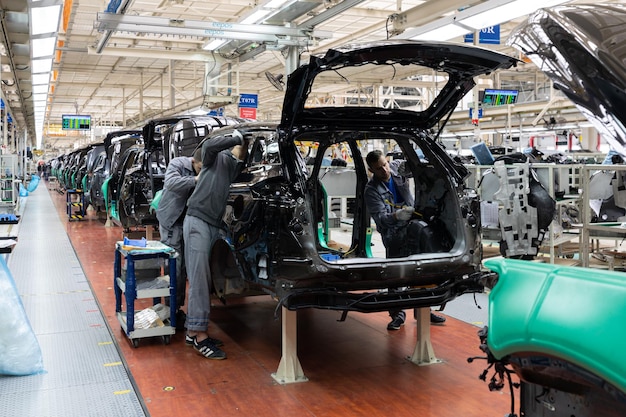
(173, 237)
(199, 238)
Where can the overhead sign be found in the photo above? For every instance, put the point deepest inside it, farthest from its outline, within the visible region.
(250, 101)
(216, 112)
(480, 113)
(489, 35)
(76, 121)
(247, 113)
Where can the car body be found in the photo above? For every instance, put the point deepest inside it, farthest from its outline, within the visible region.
(559, 328)
(284, 232)
(110, 174)
(140, 174)
(182, 138)
(96, 161)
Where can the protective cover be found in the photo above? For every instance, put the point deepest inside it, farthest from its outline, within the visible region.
(19, 350)
(575, 314)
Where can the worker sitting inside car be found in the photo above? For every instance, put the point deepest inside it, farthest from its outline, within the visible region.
(389, 200)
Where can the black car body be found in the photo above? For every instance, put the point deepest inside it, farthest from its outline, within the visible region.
(141, 173)
(536, 329)
(182, 138)
(96, 161)
(117, 145)
(283, 233)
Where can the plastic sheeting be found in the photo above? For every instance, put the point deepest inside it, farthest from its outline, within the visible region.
(34, 182)
(20, 353)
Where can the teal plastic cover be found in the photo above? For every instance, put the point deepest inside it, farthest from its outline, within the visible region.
(573, 313)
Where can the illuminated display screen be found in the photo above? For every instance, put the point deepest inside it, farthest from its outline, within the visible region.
(76, 122)
(499, 97)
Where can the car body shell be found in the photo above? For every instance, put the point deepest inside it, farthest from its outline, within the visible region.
(277, 215)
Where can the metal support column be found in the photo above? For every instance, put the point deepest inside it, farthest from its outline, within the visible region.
(289, 369)
(424, 353)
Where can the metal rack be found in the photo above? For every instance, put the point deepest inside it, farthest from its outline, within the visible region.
(547, 174)
(75, 201)
(127, 281)
(594, 232)
(8, 170)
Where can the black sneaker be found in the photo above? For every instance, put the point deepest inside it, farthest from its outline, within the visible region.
(208, 349)
(190, 340)
(436, 319)
(396, 323)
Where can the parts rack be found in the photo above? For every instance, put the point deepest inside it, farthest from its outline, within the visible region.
(129, 282)
(75, 200)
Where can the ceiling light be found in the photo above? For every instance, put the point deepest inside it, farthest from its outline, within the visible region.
(443, 33)
(43, 47)
(40, 97)
(256, 16)
(275, 4)
(40, 89)
(41, 65)
(214, 44)
(505, 12)
(43, 78)
(45, 19)
(483, 15)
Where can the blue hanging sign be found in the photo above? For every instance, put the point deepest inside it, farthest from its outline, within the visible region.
(216, 112)
(489, 35)
(250, 101)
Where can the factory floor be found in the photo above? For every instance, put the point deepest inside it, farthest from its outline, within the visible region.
(354, 367)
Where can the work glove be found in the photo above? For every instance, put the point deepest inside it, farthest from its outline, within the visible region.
(405, 213)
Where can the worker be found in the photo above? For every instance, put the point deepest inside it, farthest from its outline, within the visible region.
(389, 200)
(222, 160)
(181, 176)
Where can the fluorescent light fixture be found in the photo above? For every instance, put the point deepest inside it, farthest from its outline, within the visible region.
(443, 33)
(43, 47)
(505, 12)
(40, 97)
(275, 4)
(256, 16)
(483, 15)
(40, 89)
(45, 19)
(40, 78)
(214, 44)
(41, 65)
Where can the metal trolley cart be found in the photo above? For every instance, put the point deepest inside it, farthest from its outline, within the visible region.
(128, 283)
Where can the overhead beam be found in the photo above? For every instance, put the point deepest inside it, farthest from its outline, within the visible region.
(328, 14)
(426, 12)
(200, 56)
(222, 30)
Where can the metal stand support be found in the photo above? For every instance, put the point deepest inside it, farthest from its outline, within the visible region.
(423, 353)
(289, 369)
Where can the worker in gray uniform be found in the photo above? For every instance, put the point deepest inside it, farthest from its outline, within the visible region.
(180, 180)
(222, 160)
(389, 200)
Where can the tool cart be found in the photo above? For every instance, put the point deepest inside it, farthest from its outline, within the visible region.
(75, 200)
(129, 280)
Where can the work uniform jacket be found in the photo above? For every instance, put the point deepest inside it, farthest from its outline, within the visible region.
(380, 204)
(219, 168)
(179, 184)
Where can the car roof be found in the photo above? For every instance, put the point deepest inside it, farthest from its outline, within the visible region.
(460, 62)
